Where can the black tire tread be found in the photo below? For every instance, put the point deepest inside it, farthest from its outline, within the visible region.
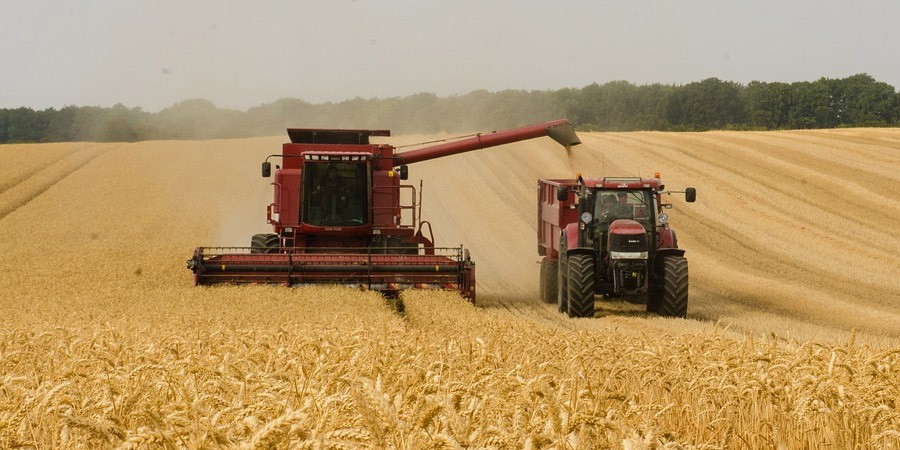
(581, 286)
(674, 299)
(264, 243)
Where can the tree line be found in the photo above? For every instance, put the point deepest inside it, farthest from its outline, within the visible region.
(854, 101)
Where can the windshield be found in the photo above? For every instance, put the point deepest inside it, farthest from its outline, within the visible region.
(613, 204)
(335, 194)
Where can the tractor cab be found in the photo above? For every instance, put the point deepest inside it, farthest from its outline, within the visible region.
(612, 201)
(632, 204)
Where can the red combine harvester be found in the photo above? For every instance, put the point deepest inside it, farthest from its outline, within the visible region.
(610, 236)
(341, 216)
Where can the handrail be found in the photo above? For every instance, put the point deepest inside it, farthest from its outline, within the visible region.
(400, 206)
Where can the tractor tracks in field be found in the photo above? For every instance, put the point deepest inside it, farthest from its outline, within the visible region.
(28, 188)
(777, 189)
(14, 176)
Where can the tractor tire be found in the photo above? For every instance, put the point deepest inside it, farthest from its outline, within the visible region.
(548, 280)
(581, 285)
(673, 300)
(562, 285)
(264, 243)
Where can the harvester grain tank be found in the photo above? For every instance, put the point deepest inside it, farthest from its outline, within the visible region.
(611, 237)
(341, 215)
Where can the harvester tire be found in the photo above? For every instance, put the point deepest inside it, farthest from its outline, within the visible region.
(562, 285)
(549, 276)
(264, 243)
(673, 300)
(581, 285)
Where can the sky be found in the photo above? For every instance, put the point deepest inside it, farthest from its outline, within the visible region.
(239, 54)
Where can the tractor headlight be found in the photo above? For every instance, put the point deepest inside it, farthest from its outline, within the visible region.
(663, 218)
(628, 255)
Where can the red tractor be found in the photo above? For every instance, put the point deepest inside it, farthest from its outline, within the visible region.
(610, 237)
(341, 216)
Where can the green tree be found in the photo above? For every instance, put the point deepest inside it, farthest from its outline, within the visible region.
(860, 100)
(811, 105)
(708, 104)
(4, 126)
(26, 125)
(768, 104)
(653, 101)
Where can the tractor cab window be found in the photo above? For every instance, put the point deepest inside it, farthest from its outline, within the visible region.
(613, 204)
(335, 194)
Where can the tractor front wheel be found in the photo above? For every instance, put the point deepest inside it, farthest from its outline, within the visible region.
(549, 276)
(673, 300)
(581, 285)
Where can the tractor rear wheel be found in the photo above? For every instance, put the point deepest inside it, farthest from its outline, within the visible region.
(562, 285)
(264, 243)
(549, 275)
(581, 285)
(673, 300)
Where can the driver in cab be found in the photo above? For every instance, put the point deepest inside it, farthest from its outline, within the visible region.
(616, 207)
(332, 191)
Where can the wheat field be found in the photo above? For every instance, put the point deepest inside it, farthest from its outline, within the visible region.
(792, 338)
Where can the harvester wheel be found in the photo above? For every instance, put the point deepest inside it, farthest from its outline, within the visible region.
(562, 285)
(673, 300)
(581, 285)
(549, 276)
(264, 243)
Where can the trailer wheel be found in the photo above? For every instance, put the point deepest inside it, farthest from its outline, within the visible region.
(264, 243)
(581, 285)
(549, 276)
(562, 284)
(673, 300)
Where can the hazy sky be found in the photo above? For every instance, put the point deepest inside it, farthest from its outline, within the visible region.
(238, 54)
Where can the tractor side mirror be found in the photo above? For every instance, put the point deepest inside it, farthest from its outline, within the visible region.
(266, 169)
(562, 194)
(404, 172)
(690, 195)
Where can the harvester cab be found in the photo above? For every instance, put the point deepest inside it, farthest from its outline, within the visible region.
(340, 215)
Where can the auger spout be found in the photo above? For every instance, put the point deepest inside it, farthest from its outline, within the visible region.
(559, 130)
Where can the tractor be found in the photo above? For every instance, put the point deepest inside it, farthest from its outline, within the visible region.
(610, 237)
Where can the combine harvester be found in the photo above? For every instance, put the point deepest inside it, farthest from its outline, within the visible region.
(339, 216)
(610, 236)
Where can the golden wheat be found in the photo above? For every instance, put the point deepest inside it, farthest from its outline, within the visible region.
(445, 374)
